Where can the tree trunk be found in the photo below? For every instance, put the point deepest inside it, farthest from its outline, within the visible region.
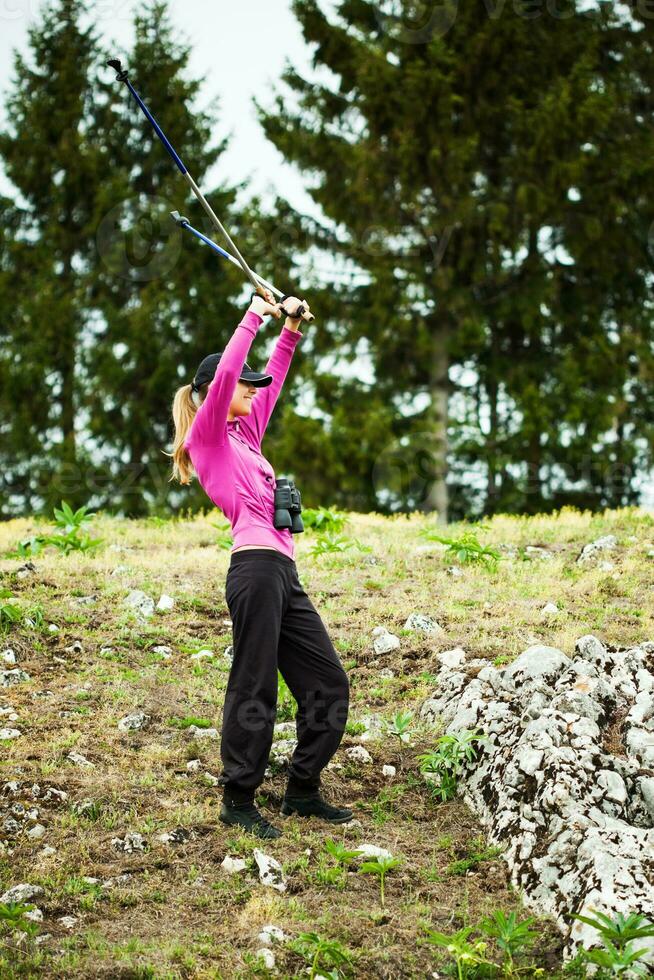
(437, 497)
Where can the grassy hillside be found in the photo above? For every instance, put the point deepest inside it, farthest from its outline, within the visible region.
(172, 910)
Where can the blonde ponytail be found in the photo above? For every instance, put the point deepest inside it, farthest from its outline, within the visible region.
(183, 412)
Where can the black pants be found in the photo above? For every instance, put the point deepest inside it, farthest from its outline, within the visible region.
(276, 626)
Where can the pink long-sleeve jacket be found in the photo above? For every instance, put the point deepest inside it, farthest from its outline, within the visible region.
(226, 455)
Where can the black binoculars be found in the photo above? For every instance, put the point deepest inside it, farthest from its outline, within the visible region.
(288, 504)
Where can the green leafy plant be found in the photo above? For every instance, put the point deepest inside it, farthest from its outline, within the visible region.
(9, 610)
(466, 955)
(70, 534)
(444, 762)
(467, 549)
(323, 519)
(13, 919)
(321, 954)
(330, 543)
(225, 538)
(619, 957)
(339, 852)
(514, 938)
(401, 725)
(477, 854)
(380, 866)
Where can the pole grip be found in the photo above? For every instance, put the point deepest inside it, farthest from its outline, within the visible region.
(305, 314)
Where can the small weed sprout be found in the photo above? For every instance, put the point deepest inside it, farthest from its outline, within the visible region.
(467, 549)
(321, 953)
(445, 761)
(513, 938)
(380, 866)
(467, 955)
(400, 726)
(619, 957)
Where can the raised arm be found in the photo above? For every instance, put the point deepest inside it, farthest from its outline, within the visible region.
(266, 398)
(210, 422)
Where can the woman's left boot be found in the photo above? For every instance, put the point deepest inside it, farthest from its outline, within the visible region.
(305, 800)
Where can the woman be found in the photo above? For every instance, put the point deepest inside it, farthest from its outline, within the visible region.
(220, 420)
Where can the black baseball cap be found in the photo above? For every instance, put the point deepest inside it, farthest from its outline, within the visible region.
(208, 366)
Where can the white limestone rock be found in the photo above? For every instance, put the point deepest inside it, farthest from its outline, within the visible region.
(270, 870)
(384, 641)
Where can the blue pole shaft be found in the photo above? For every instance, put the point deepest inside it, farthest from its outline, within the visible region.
(228, 255)
(157, 128)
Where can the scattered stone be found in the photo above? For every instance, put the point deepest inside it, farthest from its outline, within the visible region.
(8, 678)
(85, 600)
(386, 673)
(121, 570)
(194, 765)
(21, 893)
(8, 656)
(590, 551)
(68, 921)
(34, 915)
(384, 641)
(133, 722)
(7, 734)
(550, 609)
(83, 808)
(53, 795)
(267, 957)
(130, 842)
(80, 760)
(372, 851)
(163, 651)
(196, 732)
(534, 551)
(166, 603)
(47, 851)
(24, 571)
(425, 624)
(271, 934)
(389, 771)
(454, 571)
(357, 753)
(211, 779)
(232, 865)
(452, 658)
(282, 750)
(36, 832)
(75, 647)
(270, 870)
(141, 603)
(180, 835)
(201, 654)
(229, 652)
(285, 726)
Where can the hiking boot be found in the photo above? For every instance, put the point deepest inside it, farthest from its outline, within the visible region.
(247, 816)
(313, 805)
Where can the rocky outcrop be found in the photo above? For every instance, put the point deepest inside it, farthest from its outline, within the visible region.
(565, 782)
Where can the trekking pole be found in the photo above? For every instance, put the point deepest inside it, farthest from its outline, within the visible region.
(185, 223)
(122, 76)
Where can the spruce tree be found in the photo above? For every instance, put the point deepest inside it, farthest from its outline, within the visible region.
(48, 245)
(468, 165)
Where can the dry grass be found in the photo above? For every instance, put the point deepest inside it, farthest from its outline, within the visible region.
(179, 914)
